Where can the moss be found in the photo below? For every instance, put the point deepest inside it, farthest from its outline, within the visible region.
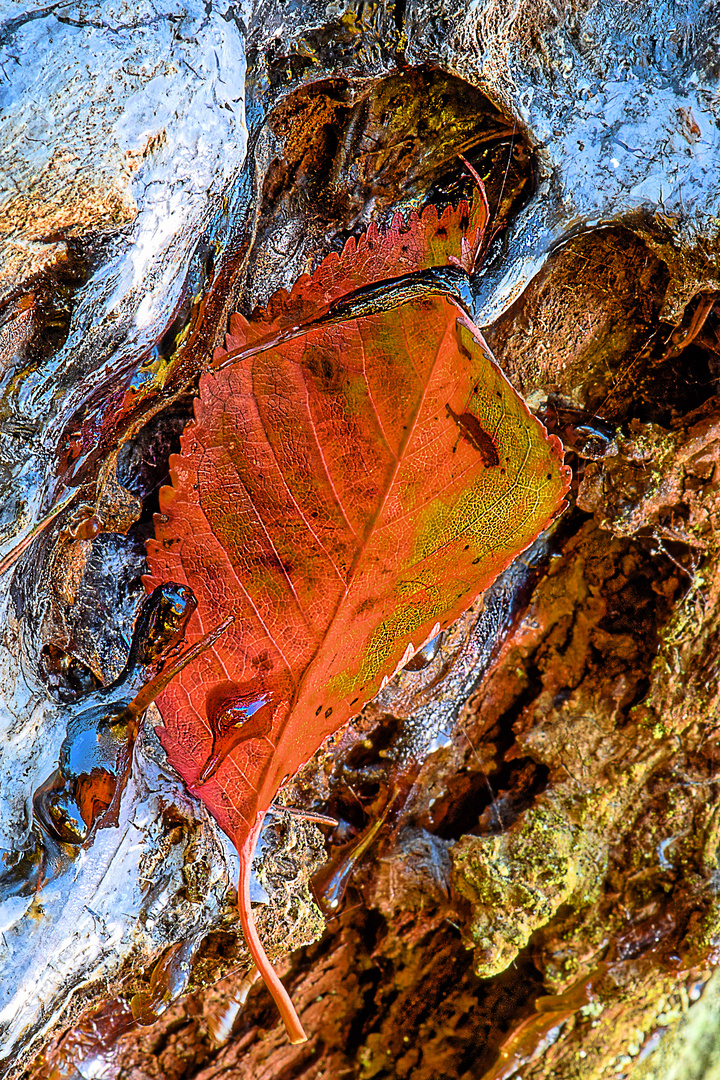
(516, 882)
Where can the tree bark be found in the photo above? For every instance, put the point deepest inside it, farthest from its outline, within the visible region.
(539, 896)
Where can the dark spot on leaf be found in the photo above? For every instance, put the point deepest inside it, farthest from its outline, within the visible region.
(318, 710)
(472, 431)
(366, 605)
(328, 713)
(325, 366)
(262, 661)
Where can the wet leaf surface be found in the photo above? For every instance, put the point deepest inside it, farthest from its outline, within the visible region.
(342, 494)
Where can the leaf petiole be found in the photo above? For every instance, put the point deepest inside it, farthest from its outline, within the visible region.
(280, 996)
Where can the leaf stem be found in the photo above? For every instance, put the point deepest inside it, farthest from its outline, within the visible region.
(279, 994)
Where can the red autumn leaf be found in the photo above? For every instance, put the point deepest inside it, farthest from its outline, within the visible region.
(343, 494)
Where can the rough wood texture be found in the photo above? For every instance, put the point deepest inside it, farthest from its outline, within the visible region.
(563, 823)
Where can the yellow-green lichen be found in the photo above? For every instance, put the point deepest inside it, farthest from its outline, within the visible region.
(517, 881)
